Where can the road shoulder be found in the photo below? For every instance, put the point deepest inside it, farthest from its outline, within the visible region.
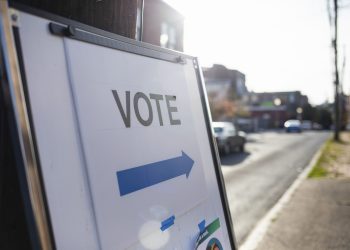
(317, 215)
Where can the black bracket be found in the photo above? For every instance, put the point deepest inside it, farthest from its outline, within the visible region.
(82, 35)
(61, 30)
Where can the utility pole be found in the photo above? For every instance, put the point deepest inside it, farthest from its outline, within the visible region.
(342, 114)
(333, 21)
(336, 82)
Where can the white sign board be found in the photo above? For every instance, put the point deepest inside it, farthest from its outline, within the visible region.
(123, 139)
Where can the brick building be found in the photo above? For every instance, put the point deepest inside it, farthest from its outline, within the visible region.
(272, 109)
(222, 82)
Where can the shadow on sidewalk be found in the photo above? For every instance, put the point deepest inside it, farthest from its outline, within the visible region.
(234, 158)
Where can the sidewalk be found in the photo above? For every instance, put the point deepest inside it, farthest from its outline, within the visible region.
(318, 214)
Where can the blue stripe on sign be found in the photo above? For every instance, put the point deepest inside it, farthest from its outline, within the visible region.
(137, 178)
(167, 223)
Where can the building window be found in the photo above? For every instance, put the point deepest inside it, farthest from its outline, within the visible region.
(167, 36)
(291, 98)
(138, 25)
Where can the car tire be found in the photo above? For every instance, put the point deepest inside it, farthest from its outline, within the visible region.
(227, 149)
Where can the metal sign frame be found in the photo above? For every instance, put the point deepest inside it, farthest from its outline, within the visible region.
(24, 137)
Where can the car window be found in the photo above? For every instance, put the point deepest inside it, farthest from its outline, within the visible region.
(218, 129)
(231, 129)
(231, 132)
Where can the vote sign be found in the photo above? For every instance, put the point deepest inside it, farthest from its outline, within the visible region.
(124, 139)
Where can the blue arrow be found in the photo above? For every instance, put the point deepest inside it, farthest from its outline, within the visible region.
(134, 179)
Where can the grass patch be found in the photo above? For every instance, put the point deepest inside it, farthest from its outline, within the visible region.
(318, 170)
(332, 156)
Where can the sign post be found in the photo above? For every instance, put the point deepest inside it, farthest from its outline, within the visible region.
(120, 137)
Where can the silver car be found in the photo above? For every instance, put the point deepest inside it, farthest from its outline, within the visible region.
(228, 138)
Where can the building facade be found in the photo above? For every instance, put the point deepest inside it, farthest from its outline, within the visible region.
(222, 82)
(272, 109)
(162, 25)
(226, 91)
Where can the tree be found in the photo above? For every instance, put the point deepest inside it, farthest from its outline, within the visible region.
(325, 118)
(308, 112)
(222, 109)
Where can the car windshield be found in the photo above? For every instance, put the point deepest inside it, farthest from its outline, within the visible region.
(293, 123)
(218, 129)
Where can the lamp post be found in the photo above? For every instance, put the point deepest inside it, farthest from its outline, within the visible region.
(277, 102)
(299, 113)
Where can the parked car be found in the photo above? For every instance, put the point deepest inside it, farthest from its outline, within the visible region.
(293, 126)
(228, 138)
(306, 125)
(316, 126)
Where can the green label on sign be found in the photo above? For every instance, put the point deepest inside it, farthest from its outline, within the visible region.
(209, 230)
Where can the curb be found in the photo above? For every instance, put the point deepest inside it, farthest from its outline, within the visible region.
(255, 237)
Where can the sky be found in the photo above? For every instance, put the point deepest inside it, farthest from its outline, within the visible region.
(280, 45)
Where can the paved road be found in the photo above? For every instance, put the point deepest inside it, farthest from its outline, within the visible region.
(256, 179)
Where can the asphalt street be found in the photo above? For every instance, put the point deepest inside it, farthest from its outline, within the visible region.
(257, 178)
